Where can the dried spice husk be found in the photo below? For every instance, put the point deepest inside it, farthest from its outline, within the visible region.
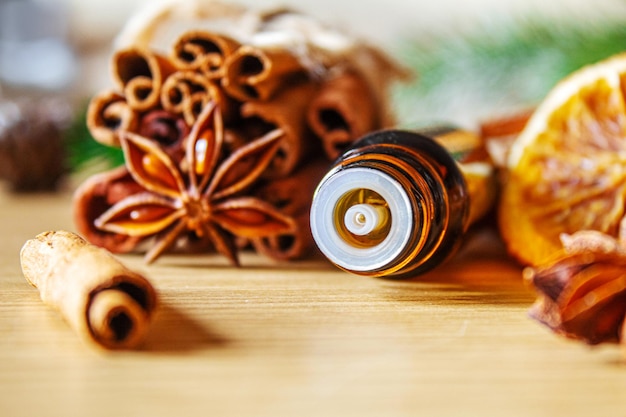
(582, 291)
(103, 301)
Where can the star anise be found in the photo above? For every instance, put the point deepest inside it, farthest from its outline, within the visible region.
(201, 195)
(582, 293)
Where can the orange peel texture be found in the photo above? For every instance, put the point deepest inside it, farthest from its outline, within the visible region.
(567, 168)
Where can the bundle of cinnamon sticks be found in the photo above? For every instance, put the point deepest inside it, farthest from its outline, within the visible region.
(199, 108)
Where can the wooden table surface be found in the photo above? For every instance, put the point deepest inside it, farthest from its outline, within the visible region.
(299, 339)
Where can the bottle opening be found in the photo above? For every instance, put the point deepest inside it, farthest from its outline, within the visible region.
(362, 217)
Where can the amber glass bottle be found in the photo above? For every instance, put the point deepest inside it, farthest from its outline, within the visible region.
(397, 203)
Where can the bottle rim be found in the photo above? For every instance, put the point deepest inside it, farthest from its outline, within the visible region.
(324, 217)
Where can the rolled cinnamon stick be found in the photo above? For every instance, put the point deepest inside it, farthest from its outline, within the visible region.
(343, 110)
(187, 92)
(140, 73)
(108, 114)
(203, 51)
(253, 73)
(103, 301)
(286, 111)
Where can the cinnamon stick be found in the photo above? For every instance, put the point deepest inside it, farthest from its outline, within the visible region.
(286, 111)
(107, 115)
(140, 73)
(102, 300)
(187, 92)
(253, 73)
(343, 110)
(510, 125)
(203, 51)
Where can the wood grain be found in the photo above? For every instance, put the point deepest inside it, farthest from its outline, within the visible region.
(299, 339)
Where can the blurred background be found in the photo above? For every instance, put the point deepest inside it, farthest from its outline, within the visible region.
(474, 59)
(54, 43)
(96, 21)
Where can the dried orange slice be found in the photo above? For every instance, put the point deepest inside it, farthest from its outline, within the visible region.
(567, 168)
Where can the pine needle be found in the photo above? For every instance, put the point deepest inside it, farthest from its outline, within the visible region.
(83, 149)
(500, 70)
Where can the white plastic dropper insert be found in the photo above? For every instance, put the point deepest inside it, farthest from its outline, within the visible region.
(324, 215)
(363, 219)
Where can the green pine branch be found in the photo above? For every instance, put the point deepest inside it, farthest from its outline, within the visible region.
(83, 149)
(498, 70)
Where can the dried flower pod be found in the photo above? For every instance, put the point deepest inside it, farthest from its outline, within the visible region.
(582, 293)
(167, 129)
(164, 127)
